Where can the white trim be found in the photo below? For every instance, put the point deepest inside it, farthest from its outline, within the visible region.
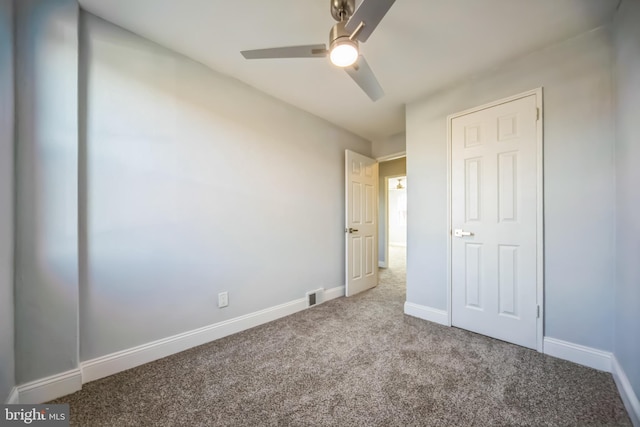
(629, 398)
(333, 293)
(13, 397)
(539, 211)
(537, 92)
(426, 313)
(65, 383)
(386, 221)
(394, 156)
(126, 359)
(382, 264)
(46, 389)
(576, 353)
(449, 222)
(540, 220)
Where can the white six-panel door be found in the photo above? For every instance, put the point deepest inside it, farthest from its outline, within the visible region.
(361, 176)
(494, 219)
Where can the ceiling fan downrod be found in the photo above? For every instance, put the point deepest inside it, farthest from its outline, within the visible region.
(341, 10)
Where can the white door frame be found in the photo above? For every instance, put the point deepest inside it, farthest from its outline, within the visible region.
(539, 214)
(394, 156)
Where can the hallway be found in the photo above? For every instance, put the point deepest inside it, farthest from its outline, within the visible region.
(396, 273)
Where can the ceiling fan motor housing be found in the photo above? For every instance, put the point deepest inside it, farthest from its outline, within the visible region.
(341, 10)
(339, 34)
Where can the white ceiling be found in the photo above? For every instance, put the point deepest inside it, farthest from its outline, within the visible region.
(419, 47)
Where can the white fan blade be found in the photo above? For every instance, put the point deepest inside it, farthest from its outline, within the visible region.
(370, 13)
(362, 74)
(305, 51)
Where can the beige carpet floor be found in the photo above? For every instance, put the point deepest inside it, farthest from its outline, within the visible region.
(355, 361)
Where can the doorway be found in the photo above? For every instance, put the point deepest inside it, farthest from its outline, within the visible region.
(396, 222)
(392, 248)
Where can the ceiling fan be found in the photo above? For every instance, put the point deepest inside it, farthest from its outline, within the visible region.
(353, 26)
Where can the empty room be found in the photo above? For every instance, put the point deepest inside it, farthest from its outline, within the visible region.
(319, 212)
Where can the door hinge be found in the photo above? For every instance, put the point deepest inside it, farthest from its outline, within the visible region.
(538, 312)
(537, 114)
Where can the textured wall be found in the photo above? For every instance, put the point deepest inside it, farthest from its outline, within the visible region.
(627, 320)
(579, 191)
(7, 379)
(197, 184)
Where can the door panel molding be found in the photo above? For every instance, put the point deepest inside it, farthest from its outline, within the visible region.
(507, 130)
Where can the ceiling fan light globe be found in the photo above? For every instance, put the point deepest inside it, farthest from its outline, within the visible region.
(343, 54)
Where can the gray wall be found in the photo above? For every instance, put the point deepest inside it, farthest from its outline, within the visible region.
(7, 379)
(627, 320)
(390, 168)
(389, 146)
(578, 183)
(197, 184)
(46, 277)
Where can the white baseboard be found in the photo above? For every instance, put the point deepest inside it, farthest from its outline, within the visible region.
(382, 264)
(587, 356)
(59, 385)
(120, 361)
(426, 313)
(12, 399)
(50, 388)
(333, 293)
(629, 398)
(126, 359)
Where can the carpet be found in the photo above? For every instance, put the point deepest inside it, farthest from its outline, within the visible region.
(355, 361)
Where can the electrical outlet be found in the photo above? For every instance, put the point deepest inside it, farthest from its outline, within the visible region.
(223, 299)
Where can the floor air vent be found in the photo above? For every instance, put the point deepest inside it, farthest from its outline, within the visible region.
(314, 297)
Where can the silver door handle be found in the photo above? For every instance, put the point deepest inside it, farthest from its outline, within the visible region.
(458, 232)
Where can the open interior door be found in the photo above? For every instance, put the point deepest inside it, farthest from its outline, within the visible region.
(361, 232)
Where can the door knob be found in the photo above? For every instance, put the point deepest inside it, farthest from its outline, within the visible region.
(458, 232)
(351, 230)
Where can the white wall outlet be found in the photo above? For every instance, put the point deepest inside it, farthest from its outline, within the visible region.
(223, 299)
